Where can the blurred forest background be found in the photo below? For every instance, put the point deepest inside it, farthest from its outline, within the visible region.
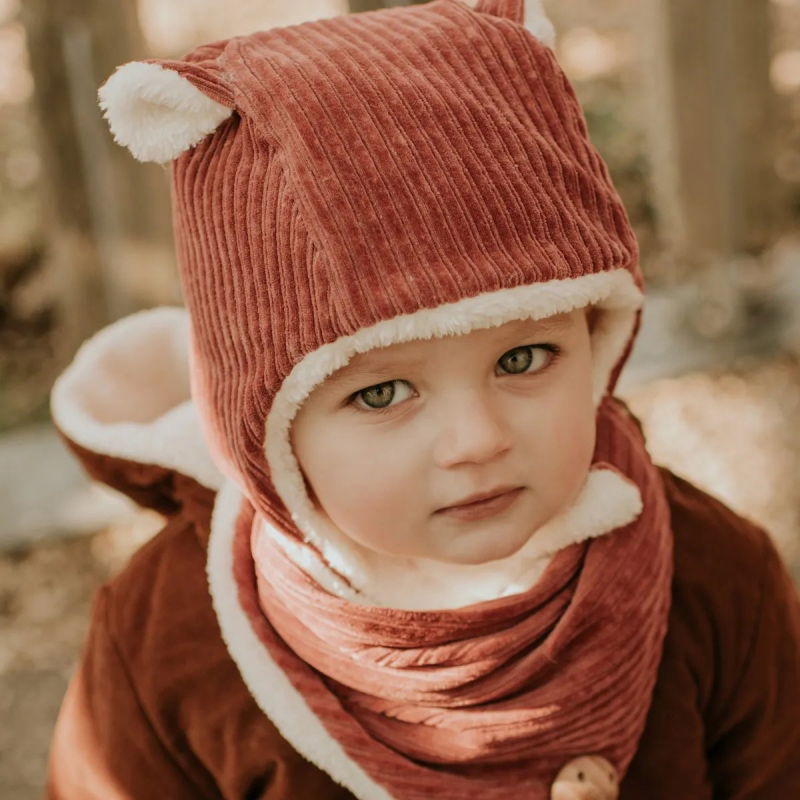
(694, 106)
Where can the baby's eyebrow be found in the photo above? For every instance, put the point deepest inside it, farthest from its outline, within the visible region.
(352, 372)
(550, 324)
(367, 371)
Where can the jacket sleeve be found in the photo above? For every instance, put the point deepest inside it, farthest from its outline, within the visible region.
(754, 751)
(104, 747)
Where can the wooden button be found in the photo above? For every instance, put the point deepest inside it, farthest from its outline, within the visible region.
(586, 778)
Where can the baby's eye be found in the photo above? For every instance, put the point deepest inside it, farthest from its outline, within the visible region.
(528, 358)
(381, 395)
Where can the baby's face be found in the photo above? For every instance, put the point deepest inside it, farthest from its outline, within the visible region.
(395, 444)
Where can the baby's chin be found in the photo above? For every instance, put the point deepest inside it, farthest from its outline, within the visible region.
(480, 544)
(476, 550)
(465, 548)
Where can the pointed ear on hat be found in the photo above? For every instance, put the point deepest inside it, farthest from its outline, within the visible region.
(529, 13)
(156, 109)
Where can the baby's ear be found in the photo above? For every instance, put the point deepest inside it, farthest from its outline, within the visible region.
(159, 109)
(528, 13)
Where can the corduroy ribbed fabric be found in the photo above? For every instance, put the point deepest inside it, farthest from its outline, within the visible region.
(378, 164)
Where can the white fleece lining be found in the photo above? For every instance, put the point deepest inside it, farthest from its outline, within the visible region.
(534, 20)
(537, 22)
(606, 502)
(126, 394)
(272, 690)
(157, 113)
(614, 292)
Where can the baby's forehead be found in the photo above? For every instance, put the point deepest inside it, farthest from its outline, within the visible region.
(416, 350)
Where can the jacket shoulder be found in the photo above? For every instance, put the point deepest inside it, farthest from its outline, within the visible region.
(736, 611)
(722, 721)
(719, 563)
(711, 539)
(161, 616)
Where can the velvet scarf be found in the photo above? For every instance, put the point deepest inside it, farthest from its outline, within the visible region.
(492, 699)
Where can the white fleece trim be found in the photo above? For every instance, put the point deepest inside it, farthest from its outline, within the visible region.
(606, 502)
(537, 22)
(534, 20)
(155, 112)
(126, 394)
(614, 292)
(271, 689)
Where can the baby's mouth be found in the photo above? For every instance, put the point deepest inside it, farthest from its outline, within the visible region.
(484, 504)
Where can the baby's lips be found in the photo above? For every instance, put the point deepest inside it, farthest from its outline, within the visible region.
(586, 778)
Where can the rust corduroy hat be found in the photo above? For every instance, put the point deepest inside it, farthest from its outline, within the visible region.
(354, 182)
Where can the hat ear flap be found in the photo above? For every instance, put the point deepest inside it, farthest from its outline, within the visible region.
(158, 111)
(529, 13)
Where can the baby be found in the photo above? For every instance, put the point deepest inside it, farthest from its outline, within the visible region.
(415, 545)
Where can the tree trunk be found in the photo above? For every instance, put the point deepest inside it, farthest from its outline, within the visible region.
(712, 125)
(107, 233)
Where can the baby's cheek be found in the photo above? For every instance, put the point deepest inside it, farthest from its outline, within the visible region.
(379, 483)
(571, 445)
(572, 423)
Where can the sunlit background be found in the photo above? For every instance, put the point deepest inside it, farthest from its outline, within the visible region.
(694, 106)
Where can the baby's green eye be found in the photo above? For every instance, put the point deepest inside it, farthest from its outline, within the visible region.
(529, 358)
(381, 395)
(520, 359)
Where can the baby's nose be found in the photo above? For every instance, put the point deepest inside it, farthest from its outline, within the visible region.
(471, 431)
